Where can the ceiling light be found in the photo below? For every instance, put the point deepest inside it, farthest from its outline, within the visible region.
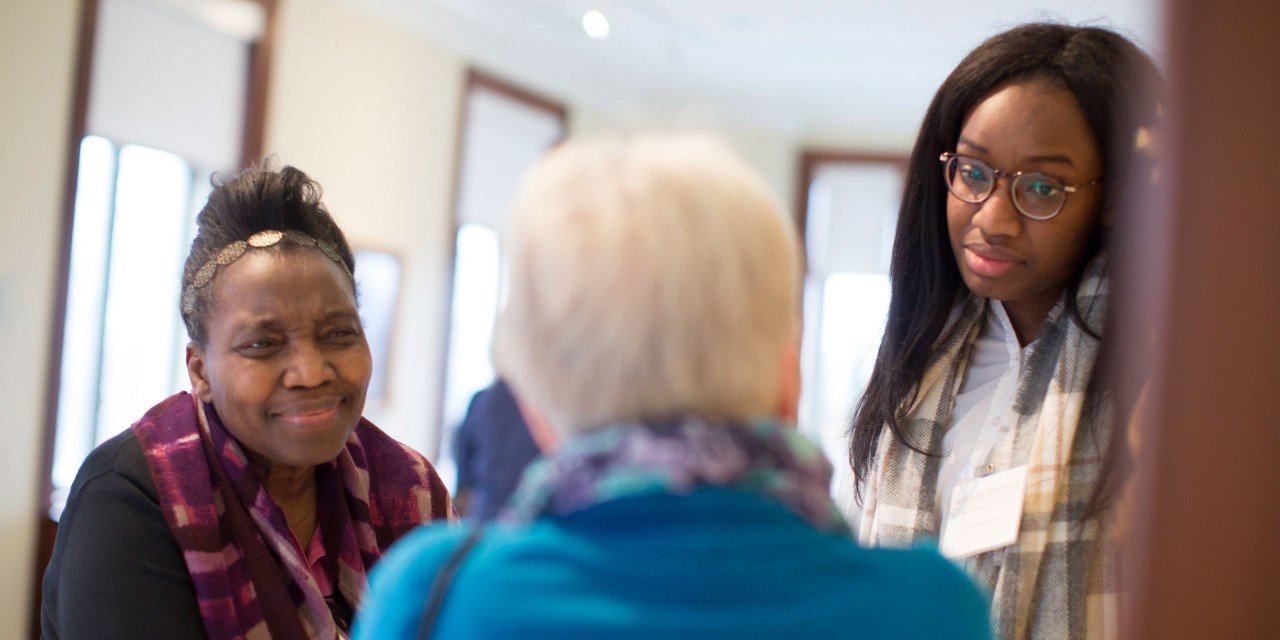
(595, 24)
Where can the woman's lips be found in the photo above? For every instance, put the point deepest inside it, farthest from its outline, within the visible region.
(307, 416)
(987, 265)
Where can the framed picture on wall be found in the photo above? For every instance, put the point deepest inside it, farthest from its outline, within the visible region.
(378, 282)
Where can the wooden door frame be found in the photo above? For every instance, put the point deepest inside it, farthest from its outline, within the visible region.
(475, 79)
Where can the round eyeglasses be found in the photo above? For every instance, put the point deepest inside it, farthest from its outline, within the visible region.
(1036, 195)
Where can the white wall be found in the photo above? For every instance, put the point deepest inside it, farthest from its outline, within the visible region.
(371, 112)
(37, 49)
(774, 154)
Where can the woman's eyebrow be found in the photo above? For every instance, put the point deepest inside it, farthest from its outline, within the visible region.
(259, 323)
(340, 314)
(1052, 158)
(972, 145)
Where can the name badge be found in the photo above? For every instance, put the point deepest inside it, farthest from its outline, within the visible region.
(985, 514)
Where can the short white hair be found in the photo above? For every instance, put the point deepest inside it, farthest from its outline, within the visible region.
(650, 277)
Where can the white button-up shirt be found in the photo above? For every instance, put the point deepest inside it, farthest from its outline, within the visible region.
(984, 403)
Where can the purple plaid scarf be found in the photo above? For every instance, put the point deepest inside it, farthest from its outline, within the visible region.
(251, 577)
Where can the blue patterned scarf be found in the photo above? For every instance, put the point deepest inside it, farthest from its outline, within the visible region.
(632, 459)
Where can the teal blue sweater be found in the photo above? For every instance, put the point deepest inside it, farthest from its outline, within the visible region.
(718, 563)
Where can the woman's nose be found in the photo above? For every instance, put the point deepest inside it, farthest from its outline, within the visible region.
(307, 367)
(998, 215)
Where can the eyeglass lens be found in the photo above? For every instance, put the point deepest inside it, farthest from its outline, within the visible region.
(1036, 195)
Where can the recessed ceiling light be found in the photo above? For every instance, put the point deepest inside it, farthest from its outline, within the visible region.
(595, 24)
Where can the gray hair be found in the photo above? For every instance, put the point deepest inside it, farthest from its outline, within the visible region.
(650, 277)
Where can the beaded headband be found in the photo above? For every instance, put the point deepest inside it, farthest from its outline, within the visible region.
(235, 250)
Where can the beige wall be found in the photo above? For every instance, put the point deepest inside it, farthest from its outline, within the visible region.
(370, 112)
(37, 49)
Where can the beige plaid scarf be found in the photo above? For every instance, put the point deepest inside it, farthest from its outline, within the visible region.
(1061, 578)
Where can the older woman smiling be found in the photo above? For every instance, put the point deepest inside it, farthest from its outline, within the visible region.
(253, 506)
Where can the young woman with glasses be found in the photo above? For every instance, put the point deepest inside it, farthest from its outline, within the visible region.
(986, 427)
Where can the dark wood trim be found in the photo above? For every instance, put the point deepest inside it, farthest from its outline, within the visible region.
(474, 79)
(810, 159)
(477, 78)
(840, 155)
(75, 132)
(46, 535)
(255, 109)
(451, 255)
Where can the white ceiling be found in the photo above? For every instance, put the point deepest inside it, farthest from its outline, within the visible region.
(796, 66)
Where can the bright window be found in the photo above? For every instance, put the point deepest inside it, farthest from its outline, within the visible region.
(850, 219)
(477, 274)
(123, 339)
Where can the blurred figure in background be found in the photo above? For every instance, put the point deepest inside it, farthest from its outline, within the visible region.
(653, 327)
(492, 447)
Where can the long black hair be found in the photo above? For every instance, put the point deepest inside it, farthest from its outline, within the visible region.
(1111, 79)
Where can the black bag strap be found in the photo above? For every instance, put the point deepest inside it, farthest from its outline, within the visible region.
(443, 580)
